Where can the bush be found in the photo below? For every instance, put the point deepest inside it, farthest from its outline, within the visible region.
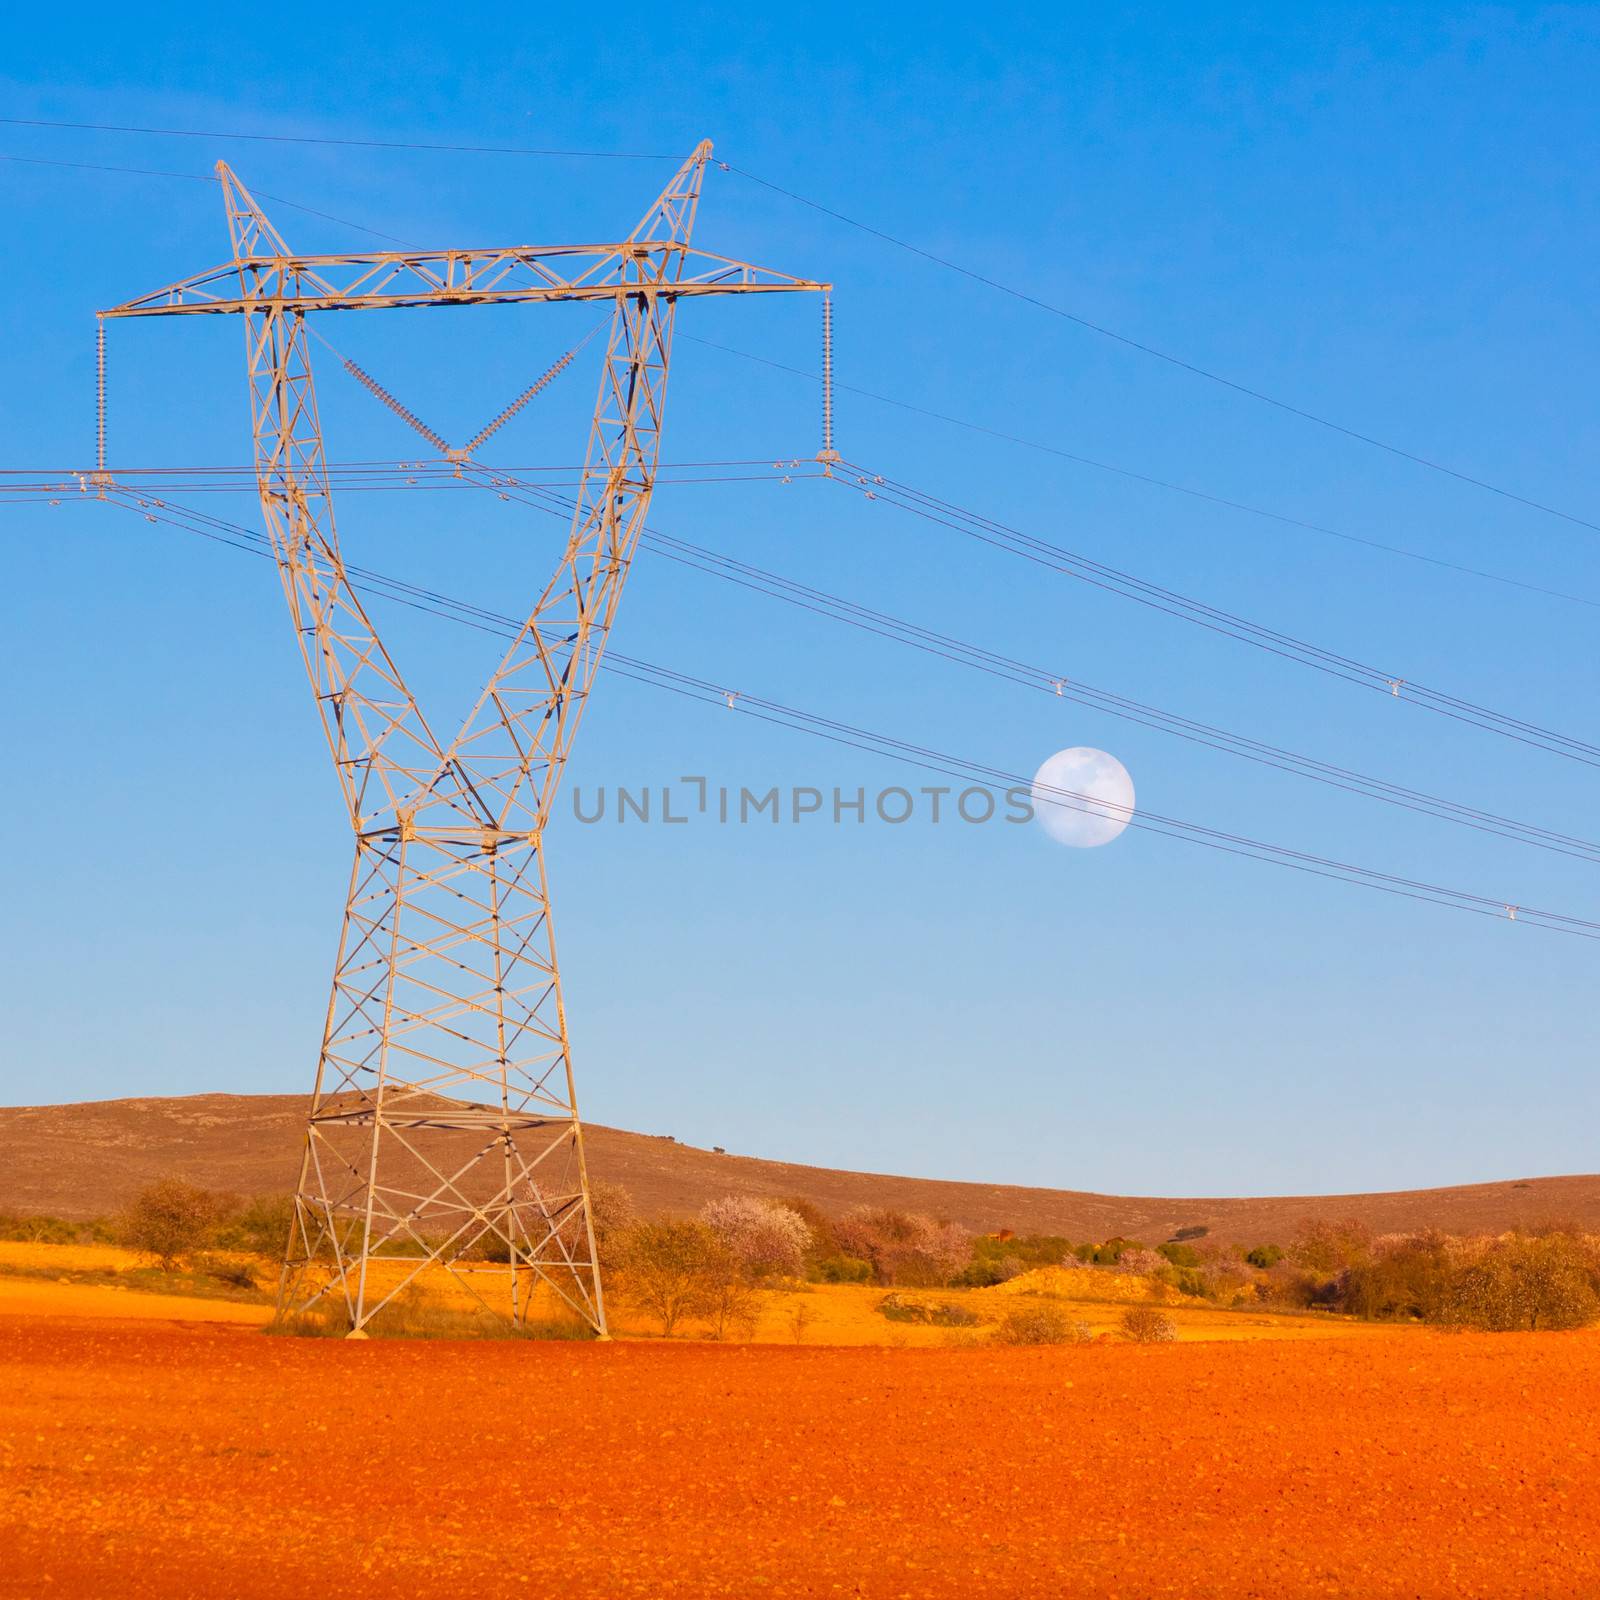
(731, 1305)
(1180, 1254)
(842, 1269)
(611, 1214)
(1524, 1282)
(1040, 1323)
(904, 1247)
(1108, 1254)
(171, 1219)
(939, 1315)
(986, 1271)
(1407, 1277)
(994, 1255)
(824, 1241)
(1265, 1256)
(1285, 1284)
(28, 1227)
(1226, 1280)
(673, 1270)
(259, 1227)
(1146, 1325)
(668, 1268)
(1141, 1263)
(1331, 1247)
(236, 1274)
(768, 1238)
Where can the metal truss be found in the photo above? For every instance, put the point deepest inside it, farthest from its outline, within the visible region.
(443, 1130)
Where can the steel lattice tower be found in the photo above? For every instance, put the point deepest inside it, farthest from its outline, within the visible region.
(443, 1129)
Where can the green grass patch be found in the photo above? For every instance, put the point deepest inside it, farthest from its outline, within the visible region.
(416, 1317)
(196, 1281)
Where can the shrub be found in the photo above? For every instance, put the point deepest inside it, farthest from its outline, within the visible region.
(1180, 1254)
(1108, 1254)
(904, 1247)
(731, 1305)
(1524, 1282)
(258, 1227)
(986, 1271)
(236, 1274)
(1265, 1256)
(939, 1315)
(669, 1269)
(1040, 1323)
(767, 1237)
(1140, 1263)
(1407, 1276)
(993, 1255)
(1330, 1247)
(824, 1240)
(1285, 1284)
(1146, 1325)
(611, 1214)
(170, 1220)
(1225, 1279)
(842, 1269)
(28, 1227)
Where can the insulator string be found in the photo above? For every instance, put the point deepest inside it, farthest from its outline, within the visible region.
(374, 387)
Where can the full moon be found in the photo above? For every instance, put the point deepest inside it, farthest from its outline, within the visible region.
(1082, 797)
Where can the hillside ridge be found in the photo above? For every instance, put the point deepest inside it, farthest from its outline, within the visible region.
(88, 1159)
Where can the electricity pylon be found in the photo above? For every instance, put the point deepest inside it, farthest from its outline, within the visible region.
(443, 1129)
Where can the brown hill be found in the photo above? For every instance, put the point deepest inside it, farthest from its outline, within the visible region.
(87, 1160)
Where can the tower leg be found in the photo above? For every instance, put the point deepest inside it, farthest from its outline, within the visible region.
(444, 1150)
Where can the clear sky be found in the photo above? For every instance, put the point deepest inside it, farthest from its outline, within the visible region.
(1385, 215)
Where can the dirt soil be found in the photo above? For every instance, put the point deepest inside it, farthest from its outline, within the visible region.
(90, 1159)
(206, 1460)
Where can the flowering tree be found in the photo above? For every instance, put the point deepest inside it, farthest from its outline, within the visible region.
(768, 1238)
(904, 1246)
(1140, 1262)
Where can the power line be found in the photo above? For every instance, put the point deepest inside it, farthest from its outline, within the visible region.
(1194, 368)
(357, 144)
(1154, 482)
(979, 658)
(1212, 618)
(999, 535)
(1024, 296)
(997, 433)
(238, 477)
(206, 177)
(981, 774)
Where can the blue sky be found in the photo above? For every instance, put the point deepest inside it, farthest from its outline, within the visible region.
(1384, 215)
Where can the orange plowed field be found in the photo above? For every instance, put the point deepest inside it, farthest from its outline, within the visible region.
(209, 1460)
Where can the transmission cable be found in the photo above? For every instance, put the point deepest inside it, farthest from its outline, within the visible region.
(963, 653)
(946, 263)
(356, 144)
(985, 530)
(979, 658)
(1134, 476)
(1196, 370)
(980, 773)
(208, 177)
